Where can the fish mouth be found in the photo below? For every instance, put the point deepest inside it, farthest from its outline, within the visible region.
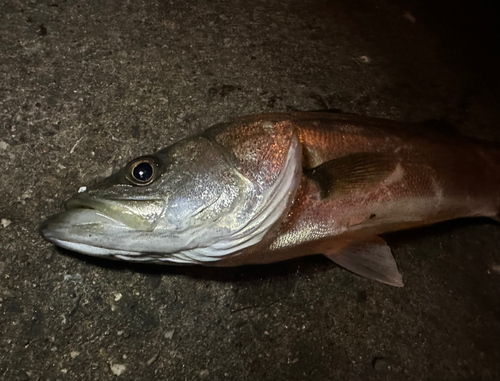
(93, 226)
(139, 215)
(72, 229)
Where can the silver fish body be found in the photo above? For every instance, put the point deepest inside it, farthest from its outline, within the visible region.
(269, 187)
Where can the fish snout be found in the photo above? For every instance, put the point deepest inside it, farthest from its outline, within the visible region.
(136, 214)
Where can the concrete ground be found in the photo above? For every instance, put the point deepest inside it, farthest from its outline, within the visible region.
(87, 85)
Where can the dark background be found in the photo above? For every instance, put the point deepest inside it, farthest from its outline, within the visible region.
(87, 85)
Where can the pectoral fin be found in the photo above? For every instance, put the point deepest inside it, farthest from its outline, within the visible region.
(351, 172)
(370, 258)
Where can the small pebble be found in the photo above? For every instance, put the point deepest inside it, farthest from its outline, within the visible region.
(169, 334)
(204, 373)
(77, 278)
(117, 369)
(5, 222)
(365, 59)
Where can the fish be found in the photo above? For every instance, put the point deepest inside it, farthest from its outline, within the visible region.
(270, 187)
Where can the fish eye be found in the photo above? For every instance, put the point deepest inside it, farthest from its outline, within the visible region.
(143, 170)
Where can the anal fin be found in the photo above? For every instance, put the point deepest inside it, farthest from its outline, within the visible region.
(369, 257)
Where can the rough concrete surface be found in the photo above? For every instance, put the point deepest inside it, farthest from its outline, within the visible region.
(87, 85)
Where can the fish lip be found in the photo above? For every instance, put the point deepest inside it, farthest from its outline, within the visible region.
(51, 228)
(90, 223)
(69, 229)
(116, 209)
(78, 202)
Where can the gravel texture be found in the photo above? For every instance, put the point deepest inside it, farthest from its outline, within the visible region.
(87, 85)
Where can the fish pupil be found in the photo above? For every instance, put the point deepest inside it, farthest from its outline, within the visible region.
(143, 172)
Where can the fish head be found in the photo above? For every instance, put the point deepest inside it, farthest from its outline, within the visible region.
(198, 200)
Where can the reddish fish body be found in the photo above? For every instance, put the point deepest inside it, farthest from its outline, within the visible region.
(400, 176)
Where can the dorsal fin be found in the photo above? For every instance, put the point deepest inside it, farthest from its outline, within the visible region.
(329, 111)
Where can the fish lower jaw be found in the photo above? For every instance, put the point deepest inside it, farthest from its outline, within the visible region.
(92, 250)
(121, 255)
